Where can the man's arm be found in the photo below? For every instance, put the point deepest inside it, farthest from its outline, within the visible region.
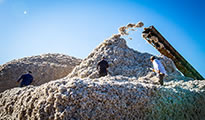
(97, 65)
(153, 70)
(20, 78)
(107, 65)
(157, 66)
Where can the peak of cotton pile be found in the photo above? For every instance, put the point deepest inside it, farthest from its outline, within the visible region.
(130, 91)
(122, 61)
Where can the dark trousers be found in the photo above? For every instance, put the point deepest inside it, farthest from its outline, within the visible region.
(101, 74)
(161, 78)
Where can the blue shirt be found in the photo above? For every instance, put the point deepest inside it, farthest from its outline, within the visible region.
(158, 66)
(102, 66)
(26, 79)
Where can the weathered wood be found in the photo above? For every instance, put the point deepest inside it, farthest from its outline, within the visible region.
(152, 36)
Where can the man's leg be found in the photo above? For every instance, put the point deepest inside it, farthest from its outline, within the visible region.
(161, 77)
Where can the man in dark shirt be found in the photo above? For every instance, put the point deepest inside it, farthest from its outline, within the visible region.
(26, 79)
(102, 67)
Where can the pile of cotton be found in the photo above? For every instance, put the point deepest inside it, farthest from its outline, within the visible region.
(130, 91)
(110, 97)
(122, 61)
(44, 68)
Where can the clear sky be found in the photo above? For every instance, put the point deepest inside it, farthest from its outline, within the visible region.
(76, 27)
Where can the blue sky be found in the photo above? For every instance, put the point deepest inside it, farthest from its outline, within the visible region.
(76, 27)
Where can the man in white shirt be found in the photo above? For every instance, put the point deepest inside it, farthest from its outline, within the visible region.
(158, 68)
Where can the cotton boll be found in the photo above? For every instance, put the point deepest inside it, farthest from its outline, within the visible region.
(130, 38)
(139, 24)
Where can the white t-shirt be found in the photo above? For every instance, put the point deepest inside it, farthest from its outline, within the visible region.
(158, 66)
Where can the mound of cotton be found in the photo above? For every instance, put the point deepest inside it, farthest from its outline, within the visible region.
(44, 68)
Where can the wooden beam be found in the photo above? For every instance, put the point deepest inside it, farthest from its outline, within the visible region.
(152, 36)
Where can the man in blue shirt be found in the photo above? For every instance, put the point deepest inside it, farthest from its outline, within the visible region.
(26, 79)
(159, 69)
